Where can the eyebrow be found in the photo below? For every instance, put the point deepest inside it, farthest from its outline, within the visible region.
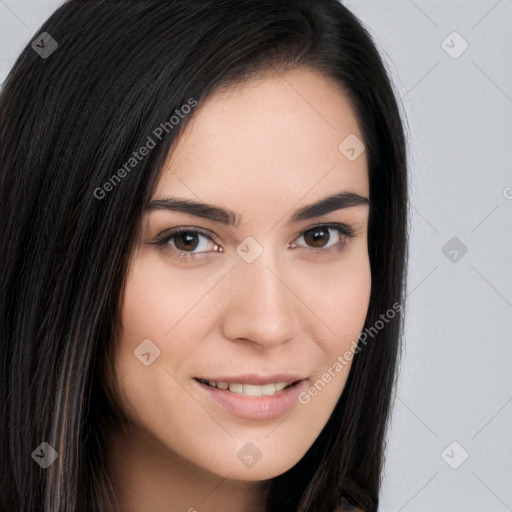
(230, 218)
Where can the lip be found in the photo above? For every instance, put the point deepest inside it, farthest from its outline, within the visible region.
(256, 408)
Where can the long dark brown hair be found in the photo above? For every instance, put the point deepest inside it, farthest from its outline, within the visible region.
(68, 122)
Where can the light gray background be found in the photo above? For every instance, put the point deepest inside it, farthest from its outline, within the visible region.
(455, 381)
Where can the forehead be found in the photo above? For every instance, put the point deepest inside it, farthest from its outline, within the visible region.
(272, 139)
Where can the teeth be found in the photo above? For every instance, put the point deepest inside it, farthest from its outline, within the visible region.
(236, 388)
(268, 390)
(251, 389)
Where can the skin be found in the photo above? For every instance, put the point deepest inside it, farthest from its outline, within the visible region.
(290, 310)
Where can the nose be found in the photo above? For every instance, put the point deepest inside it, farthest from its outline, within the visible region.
(263, 307)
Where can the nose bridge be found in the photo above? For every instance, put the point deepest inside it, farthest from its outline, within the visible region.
(262, 308)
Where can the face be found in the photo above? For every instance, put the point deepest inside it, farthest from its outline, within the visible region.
(259, 300)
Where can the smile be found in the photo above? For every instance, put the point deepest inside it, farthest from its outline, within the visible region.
(256, 398)
(254, 390)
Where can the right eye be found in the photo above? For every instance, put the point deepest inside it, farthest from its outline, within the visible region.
(187, 243)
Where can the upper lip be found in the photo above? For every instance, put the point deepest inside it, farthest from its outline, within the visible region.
(255, 379)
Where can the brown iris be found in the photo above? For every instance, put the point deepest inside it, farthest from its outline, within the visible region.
(317, 237)
(186, 240)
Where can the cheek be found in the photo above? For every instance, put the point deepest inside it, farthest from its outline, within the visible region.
(156, 298)
(149, 351)
(156, 318)
(353, 298)
(165, 307)
(342, 304)
(342, 298)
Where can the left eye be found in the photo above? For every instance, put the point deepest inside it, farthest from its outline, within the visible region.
(319, 237)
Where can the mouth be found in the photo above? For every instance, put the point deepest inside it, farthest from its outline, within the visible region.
(252, 390)
(253, 397)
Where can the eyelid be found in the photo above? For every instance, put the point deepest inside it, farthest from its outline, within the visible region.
(340, 226)
(167, 234)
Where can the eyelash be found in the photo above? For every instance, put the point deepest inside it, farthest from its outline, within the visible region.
(342, 229)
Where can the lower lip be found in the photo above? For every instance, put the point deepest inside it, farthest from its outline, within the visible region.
(256, 408)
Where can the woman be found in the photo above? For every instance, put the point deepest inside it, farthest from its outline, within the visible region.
(203, 259)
